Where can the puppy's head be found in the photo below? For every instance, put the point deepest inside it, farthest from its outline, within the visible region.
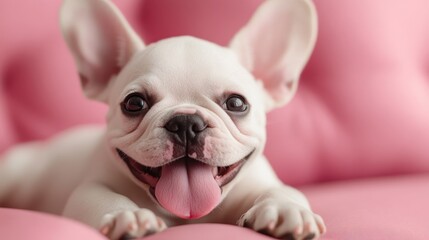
(187, 116)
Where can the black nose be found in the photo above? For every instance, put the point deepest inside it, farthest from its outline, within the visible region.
(186, 127)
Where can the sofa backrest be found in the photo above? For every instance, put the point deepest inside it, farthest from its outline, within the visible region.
(362, 108)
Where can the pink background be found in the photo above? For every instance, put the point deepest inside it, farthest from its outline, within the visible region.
(362, 109)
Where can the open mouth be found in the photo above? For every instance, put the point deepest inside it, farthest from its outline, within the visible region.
(186, 187)
(150, 175)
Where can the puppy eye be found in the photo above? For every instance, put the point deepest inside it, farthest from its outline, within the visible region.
(236, 103)
(134, 105)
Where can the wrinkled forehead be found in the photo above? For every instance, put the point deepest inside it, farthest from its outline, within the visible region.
(180, 62)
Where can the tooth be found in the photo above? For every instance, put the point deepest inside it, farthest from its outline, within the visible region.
(215, 171)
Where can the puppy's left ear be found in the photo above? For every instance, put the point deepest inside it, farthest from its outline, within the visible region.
(276, 44)
(100, 40)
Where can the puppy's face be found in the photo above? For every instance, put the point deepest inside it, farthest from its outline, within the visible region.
(185, 97)
(186, 112)
(187, 116)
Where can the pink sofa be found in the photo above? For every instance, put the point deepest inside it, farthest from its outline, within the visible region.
(355, 138)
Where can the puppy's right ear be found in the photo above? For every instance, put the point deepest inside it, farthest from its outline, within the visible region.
(101, 41)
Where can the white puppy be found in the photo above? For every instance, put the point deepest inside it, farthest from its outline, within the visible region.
(185, 129)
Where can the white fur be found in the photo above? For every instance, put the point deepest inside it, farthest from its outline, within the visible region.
(79, 173)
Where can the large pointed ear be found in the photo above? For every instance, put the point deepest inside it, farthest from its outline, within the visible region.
(276, 44)
(101, 42)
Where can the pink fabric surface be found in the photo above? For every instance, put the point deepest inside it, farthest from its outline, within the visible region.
(362, 108)
(208, 232)
(381, 209)
(21, 224)
(40, 226)
(389, 208)
(39, 91)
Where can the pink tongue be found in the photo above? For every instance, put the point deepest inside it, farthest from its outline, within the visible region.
(187, 189)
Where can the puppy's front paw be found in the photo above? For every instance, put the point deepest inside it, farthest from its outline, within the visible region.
(131, 224)
(283, 220)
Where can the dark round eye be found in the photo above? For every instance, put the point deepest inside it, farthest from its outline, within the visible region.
(134, 105)
(236, 103)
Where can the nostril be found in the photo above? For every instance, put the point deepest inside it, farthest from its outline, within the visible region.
(198, 126)
(172, 126)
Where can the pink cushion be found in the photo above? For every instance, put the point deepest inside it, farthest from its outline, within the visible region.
(363, 104)
(385, 208)
(39, 91)
(393, 208)
(39, 226)
(21, 224)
